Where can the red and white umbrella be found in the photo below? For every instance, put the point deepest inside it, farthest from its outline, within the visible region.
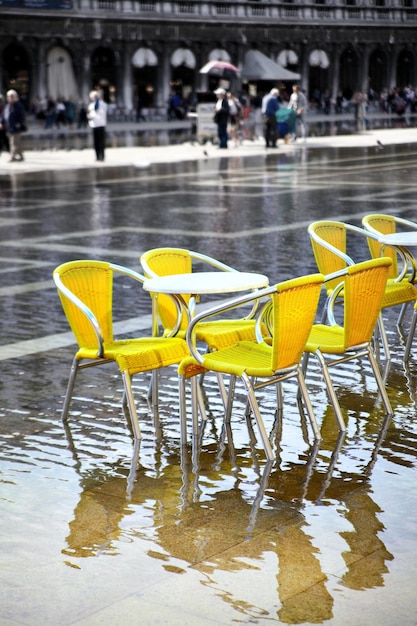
(223, 69)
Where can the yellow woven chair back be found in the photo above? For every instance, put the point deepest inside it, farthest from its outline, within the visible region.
(91, 282)
(386, 225)
(164, 262)
(364, 289)
(334, 233)
(294, 309)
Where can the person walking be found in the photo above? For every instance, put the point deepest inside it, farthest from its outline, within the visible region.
(13, 120)
(235, 115)
(298, 102)
(270, 106)
(97, 120)
(221, 116)
(4, 140)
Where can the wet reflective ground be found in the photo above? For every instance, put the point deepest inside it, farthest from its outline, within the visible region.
(96, 532)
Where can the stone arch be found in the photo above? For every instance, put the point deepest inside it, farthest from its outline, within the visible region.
(378, 70)
(349, 72)
(288, 58)
(405, 68)
(145, 76)
(16, 70)
(60, 79)
(103, 72)
(183, 65)
(319, 63)
(219, 54)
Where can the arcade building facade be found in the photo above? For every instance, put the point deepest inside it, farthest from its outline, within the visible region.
(149, 48)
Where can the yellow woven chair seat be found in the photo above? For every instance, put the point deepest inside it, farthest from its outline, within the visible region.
(144, 355)
(220, 334)
(326, 339)
(398, 293)
(244, 357)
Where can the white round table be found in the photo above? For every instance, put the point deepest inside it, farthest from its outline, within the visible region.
(199, 283)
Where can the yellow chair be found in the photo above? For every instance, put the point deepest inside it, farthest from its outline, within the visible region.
(364, 286)
(294, 305)
(329, 242)
(387, 224)
(85, 289)
(216, 334)
(379, 223)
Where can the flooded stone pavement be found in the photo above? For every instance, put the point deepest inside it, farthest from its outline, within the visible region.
(95, 531)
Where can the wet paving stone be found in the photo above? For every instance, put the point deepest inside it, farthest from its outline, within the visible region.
(97, 531)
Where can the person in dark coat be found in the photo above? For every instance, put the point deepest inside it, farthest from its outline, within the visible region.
(221, 116)
(13, 120)
(4, 140)
(270, 106)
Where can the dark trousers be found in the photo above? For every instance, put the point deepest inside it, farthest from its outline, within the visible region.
(270, 130)
(99, 135)
(4, 141)
(222, 134)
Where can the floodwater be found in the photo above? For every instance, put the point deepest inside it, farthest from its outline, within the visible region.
(96, 531)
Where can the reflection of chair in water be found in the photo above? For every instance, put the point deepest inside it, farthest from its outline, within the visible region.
(86, 292)
(367, 555)
(280, 546)
(363, 287)
(294, 305)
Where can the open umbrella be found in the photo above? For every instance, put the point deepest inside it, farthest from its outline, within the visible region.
(222, 69)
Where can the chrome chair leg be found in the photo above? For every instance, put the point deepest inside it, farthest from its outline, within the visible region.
(258, 418)
(402, 313)
(70, 389)
(307, 403)
(230, 397)
(131, 404)
(384, 339)
(331, 392)
(183, 409)
(380, 382)
(410, 336)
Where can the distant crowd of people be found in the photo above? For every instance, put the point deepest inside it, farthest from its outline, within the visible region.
(281, 118)
(395, 100)
(282, 114)
(60, 112)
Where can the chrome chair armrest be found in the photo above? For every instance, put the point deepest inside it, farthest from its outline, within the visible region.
(264, 319)
(223, 308)
(328, 246)
(126, 271)
(84, 309)
(213, 262)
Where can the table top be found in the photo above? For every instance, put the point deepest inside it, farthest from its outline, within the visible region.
(406, 238)
(198, 283)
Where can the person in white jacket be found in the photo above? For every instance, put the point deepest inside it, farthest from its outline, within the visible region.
(97, 120)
